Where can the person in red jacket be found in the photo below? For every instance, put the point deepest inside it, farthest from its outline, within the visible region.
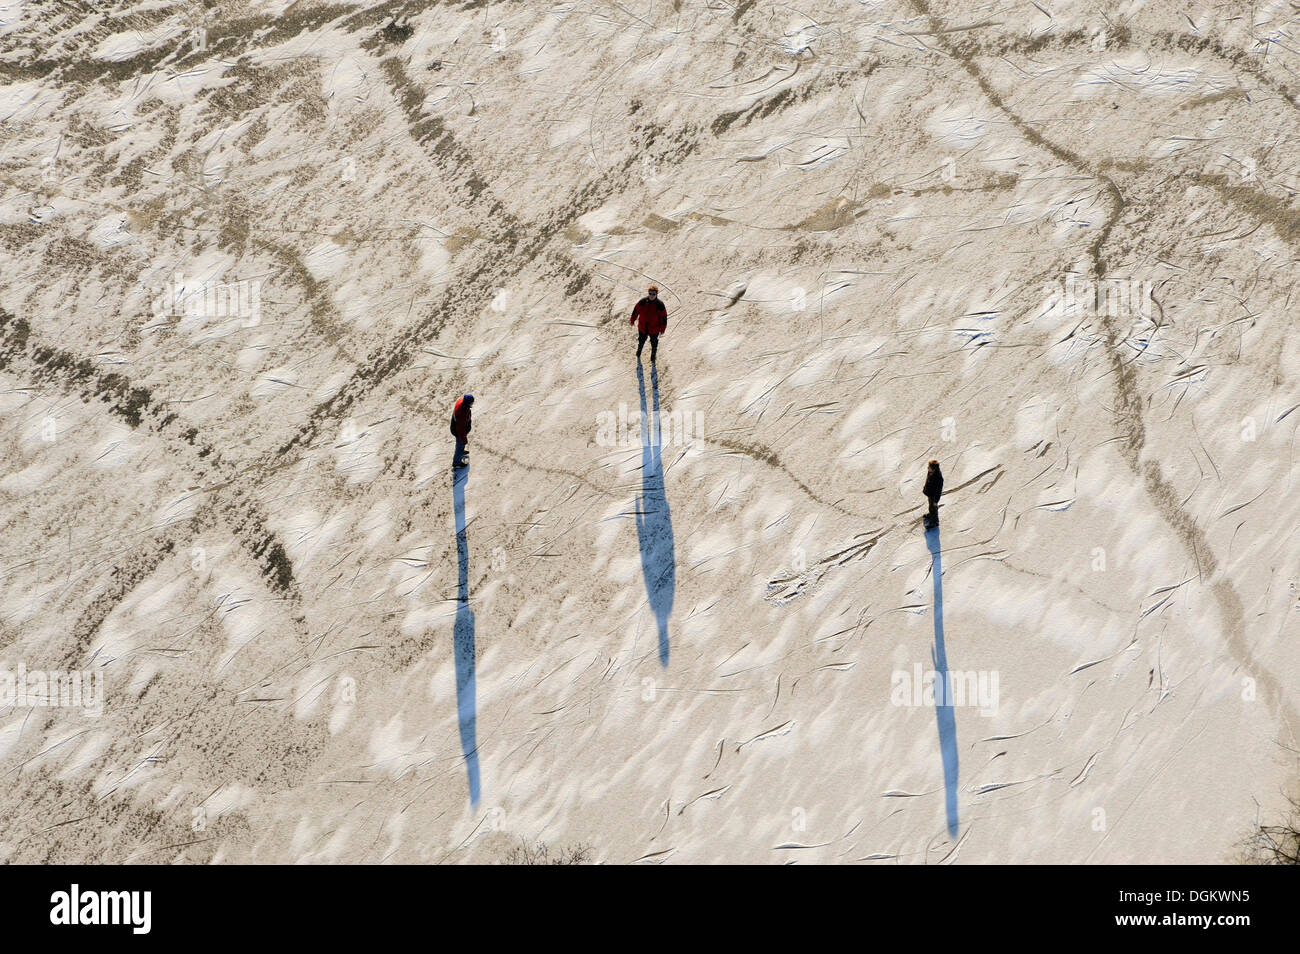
(651, 319)
(460, 425)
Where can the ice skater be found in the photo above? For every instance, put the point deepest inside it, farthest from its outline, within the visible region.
(933, 490)
(651, 319)
(460, 425)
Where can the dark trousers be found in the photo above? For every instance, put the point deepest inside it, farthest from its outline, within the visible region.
(640, 343)
(934, 509)
(459, 457)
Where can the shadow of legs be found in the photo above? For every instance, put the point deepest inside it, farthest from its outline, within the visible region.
(654, 523)
(463, 638)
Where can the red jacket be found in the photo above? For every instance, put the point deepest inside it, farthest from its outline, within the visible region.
(933, 485)
(650, 316)
(460, 419)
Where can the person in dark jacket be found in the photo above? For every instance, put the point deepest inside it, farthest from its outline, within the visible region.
(460, 425)
(933, 490)
(651, 319)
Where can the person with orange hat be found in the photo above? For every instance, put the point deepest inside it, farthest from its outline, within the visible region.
(651, 319)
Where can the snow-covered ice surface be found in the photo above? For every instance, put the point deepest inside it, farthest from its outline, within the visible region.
(249, 255)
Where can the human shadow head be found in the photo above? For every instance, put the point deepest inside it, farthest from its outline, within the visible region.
(466, 695)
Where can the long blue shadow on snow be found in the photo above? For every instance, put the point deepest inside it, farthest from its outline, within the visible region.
(943, 709)
(466, 711)
(654, 521)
